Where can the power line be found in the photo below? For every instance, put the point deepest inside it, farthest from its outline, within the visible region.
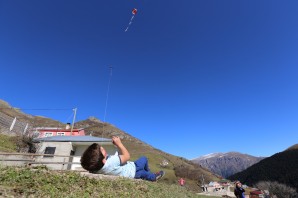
(107, 97)
(37, 109)
(111, 73)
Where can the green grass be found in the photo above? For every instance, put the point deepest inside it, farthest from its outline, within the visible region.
(40, 182)
(7, 144)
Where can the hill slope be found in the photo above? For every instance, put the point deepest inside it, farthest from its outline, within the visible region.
(281, 167)
(176, 167)
(227, 164)
(40, 182)
(7, 111)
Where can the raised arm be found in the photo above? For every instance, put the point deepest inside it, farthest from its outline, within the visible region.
(124, 154)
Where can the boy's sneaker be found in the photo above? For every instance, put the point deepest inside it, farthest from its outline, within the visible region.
(159, 175)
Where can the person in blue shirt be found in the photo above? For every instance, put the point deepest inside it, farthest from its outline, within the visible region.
(239, 191)
(96, 160)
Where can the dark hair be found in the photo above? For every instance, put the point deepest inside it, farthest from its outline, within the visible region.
(91, 159)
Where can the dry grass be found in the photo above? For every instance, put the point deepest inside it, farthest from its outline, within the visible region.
(7, 144)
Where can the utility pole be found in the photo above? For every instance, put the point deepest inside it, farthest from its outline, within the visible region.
(74, 118)
(203, 183)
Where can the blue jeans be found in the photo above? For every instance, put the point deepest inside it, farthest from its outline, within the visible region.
(142, 169)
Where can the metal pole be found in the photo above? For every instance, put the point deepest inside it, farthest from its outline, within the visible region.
(74, 118)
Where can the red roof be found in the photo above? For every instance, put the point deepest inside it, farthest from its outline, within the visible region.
(59, 130)
(257, 192)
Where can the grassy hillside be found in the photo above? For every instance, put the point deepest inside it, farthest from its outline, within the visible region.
(39, 182)
(7, 144)
(35, 121)
(177, 166)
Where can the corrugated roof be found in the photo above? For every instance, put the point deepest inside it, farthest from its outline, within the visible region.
(72, 139)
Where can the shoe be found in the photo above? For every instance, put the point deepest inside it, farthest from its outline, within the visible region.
(159, 175)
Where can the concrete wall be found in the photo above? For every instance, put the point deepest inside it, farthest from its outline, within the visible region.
(14, 160)
(62, 148)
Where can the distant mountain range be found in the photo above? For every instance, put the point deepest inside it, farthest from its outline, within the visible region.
(281, 167)
(227, 164)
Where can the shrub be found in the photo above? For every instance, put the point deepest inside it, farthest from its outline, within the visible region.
(277, 189)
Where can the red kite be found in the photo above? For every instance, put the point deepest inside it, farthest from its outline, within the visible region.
(134, 12)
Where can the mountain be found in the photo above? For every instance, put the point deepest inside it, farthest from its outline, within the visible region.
(175, 166)
(281, 167)
(294, 147)
(226, 164)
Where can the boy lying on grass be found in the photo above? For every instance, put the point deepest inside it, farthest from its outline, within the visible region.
(96, 160)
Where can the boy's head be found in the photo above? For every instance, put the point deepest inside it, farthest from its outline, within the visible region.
(92, 158)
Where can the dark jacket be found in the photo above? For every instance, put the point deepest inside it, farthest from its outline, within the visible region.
(239, 192)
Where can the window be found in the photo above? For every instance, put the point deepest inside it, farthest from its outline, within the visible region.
(49, 150)
(60, 134)
(48, 134)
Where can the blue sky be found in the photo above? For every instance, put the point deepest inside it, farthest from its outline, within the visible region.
(189, 77)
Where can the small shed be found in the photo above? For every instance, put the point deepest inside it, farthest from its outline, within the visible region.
(64, 152)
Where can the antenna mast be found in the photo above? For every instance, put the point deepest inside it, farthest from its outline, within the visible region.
(74, 119)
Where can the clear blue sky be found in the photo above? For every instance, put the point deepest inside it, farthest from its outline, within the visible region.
(189, 77)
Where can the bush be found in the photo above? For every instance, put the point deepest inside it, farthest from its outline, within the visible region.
(277, 189)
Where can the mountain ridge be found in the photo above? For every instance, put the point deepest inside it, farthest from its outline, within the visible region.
(280, 167)
(228, 163)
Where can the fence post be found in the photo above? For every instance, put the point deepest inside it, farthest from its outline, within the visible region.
(12, 124)
(26, 127)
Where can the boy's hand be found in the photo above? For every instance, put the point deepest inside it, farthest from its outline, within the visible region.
(124, 154)
(116, 140)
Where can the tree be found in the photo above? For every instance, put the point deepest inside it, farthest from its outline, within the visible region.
(277, 189)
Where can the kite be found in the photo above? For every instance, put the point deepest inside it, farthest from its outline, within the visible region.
(134, 12)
